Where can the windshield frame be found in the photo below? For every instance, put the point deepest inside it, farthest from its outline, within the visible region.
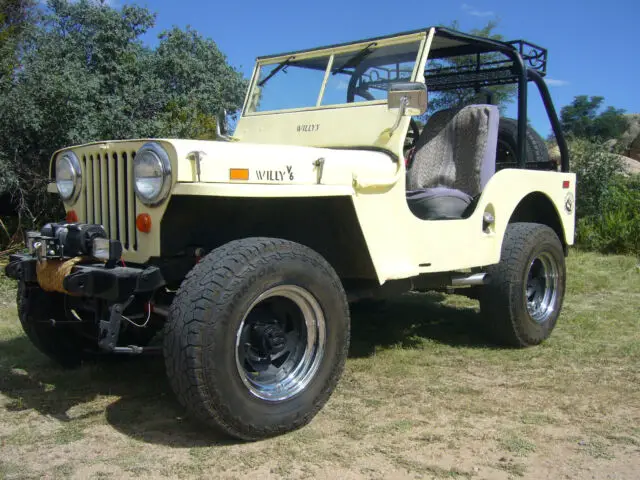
(329, 53)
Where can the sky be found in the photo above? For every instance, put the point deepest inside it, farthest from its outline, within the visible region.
(591, 43)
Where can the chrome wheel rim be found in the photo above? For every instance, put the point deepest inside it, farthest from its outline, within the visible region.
(280, 343)
(542, 287)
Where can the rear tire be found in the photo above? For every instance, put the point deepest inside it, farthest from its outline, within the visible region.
(508, 144)
(257, 337)
(523, 299)
(37, 311)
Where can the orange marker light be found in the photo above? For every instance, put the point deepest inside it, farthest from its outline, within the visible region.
(72, 217)
(143, 222)
(239, 174)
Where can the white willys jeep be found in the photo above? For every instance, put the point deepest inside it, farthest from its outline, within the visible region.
(248, 250)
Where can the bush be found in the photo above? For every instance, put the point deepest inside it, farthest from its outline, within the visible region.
(607, 202)
(617, 228)
(597, 171)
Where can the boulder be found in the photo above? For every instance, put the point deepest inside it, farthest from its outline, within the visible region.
(631, 166)
(554, 153)
(630, 140)
(633, 130)
(634, 148)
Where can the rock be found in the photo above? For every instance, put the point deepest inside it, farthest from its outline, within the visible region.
(630, 140)
(554, 153)
(634, 149)
(610, 144)
(631, 166)
(633, 130)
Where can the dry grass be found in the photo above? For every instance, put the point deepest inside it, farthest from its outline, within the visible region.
(423, 396)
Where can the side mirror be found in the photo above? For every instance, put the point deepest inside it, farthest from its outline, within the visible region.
(409, 97)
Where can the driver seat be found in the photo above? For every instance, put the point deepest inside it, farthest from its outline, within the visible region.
(455, 158)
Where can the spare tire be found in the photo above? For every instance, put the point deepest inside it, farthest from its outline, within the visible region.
(507, 152)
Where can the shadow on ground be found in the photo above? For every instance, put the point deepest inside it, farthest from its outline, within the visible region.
(409, 320)
(146, 408)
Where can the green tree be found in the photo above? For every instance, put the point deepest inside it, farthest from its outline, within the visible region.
(16, 19)
(451, 98)
(85, 75)
(198, 84)
(585, 118)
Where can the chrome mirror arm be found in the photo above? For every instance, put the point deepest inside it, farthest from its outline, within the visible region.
(404, 103)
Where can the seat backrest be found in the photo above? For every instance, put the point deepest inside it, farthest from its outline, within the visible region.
(460, 154)
(434, 125)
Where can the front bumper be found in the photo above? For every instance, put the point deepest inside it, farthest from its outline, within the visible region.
(114, 285)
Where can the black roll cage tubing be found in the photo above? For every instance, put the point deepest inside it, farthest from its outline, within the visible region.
(524, 76)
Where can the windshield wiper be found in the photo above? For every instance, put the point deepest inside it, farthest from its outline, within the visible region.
(275, 70)
(356, 59)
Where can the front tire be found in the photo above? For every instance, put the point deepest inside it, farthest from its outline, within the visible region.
(523, 299)
(257, 337)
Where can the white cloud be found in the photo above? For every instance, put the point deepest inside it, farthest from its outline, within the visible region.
(475, 12)
(341, 85)
(554, 82)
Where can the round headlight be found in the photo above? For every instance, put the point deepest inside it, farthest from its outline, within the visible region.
(152, 174)
(68, 176)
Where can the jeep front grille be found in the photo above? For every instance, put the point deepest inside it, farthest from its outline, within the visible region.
(108, 195)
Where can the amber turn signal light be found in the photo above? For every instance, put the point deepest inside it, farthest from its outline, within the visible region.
(143, 222)
(72, 217)
(239, 174)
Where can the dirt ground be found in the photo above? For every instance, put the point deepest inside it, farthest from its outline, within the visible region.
(423, 396)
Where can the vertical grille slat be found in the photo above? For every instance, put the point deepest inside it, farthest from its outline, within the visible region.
(122, 211)
(131, 203)
(108, 195)
(88, 189)
(104, 192)
(113, 196)
(97, 190)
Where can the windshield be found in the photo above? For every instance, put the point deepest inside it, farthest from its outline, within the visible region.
(359, 75)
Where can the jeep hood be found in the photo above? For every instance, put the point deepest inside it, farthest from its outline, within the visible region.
(239, 162)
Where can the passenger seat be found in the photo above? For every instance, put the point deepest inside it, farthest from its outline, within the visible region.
(455, 158)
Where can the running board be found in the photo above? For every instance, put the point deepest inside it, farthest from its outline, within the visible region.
(472, 280)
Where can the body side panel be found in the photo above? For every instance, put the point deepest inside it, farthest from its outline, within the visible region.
(402, 245)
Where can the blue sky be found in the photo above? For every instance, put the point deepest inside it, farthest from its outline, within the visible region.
(591, 43)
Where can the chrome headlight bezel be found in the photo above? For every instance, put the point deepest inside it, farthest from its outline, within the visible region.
(162, 157)
(76, 174)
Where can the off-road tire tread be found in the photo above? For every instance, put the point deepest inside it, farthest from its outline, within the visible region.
(498, 302)
(211, 283)
(536, 148)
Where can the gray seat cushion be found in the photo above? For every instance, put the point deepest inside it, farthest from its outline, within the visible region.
(438, 203)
